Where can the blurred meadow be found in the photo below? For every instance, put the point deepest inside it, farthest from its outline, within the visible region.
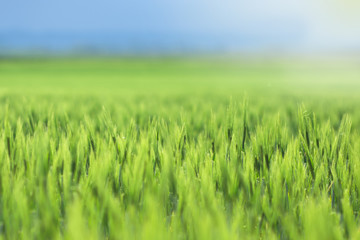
(179, 120)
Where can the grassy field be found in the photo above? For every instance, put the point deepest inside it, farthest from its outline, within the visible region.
(177, 148)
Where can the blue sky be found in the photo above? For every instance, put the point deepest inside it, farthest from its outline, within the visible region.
(303, 25)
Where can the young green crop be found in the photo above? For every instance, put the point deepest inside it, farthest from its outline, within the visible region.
(117, 165)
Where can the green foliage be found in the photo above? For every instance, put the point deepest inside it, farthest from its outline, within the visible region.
(164, 166)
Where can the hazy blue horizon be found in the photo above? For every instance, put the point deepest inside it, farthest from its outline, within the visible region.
(137, 42)
(162, 26)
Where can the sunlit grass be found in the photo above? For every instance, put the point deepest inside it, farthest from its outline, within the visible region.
(160, 153)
